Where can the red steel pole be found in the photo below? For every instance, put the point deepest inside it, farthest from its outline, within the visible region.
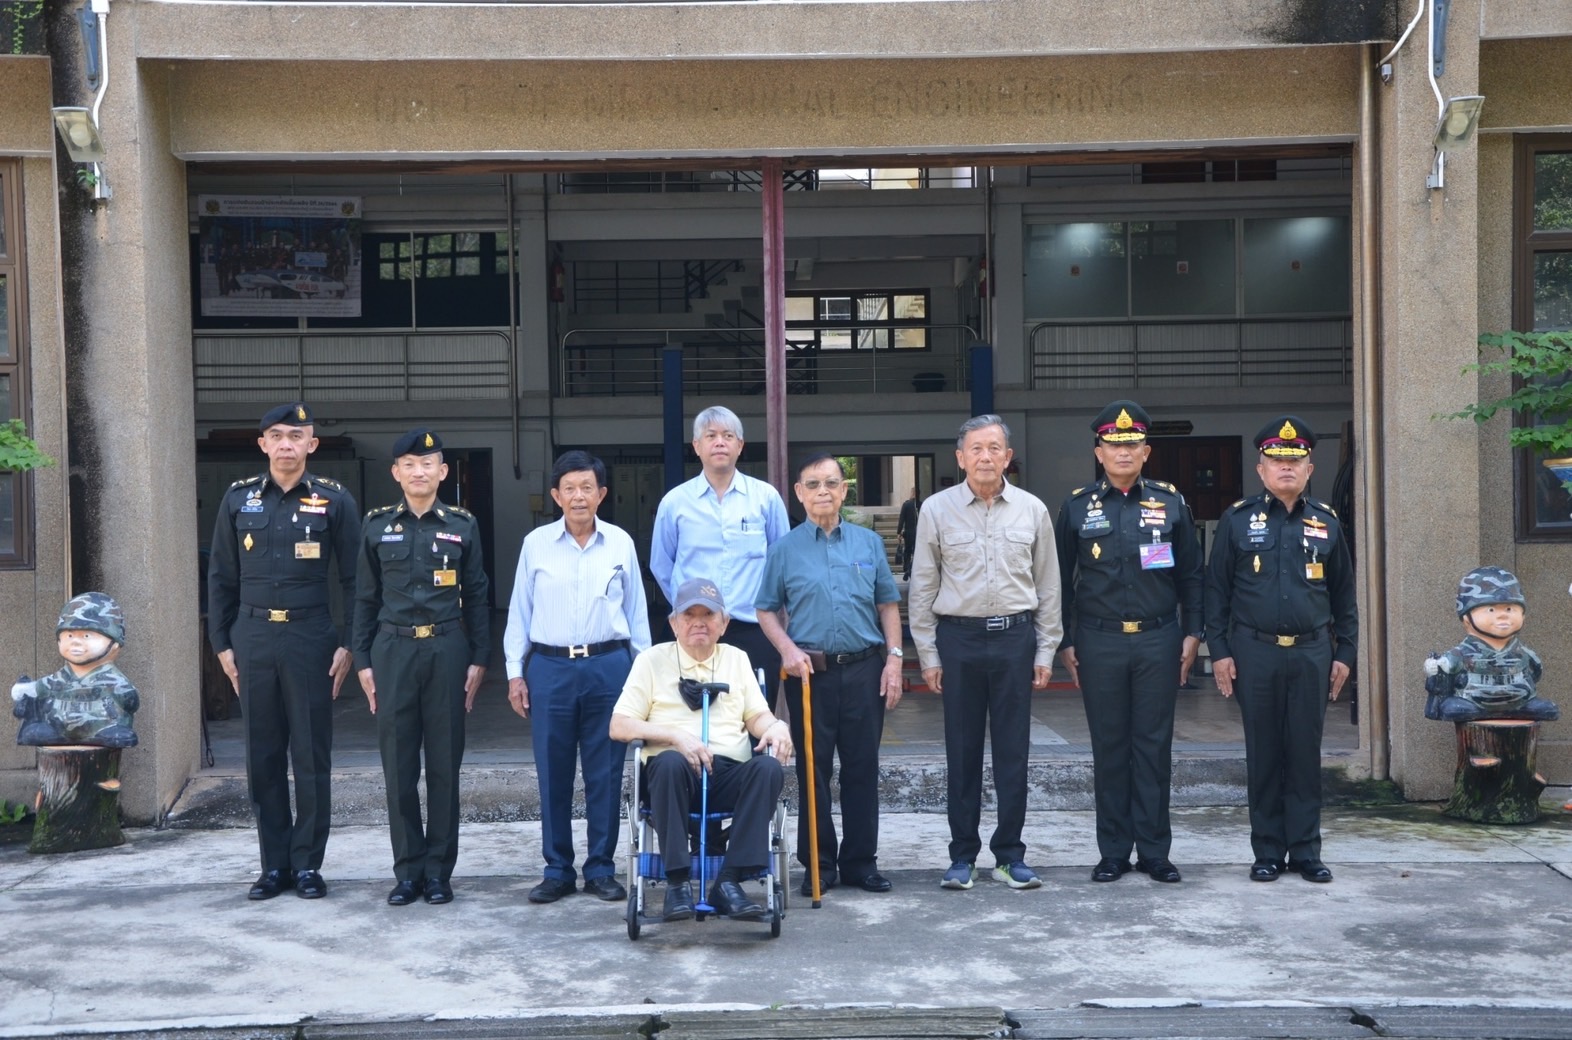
(775, 326)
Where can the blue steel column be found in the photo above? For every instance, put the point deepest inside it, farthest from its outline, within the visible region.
(672, 439)
(981, 378)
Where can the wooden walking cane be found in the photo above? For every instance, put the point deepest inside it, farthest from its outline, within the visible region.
(813, 787)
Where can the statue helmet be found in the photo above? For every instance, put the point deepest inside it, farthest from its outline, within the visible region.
(1484, 586)
(94, 612)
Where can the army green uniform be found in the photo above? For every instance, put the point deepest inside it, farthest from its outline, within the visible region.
(421, 620)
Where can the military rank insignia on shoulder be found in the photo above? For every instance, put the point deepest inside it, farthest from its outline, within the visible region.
(1164, 485)
(1239, 503)
(1322, 506)
(245, 482)
(380, 510)
(329, 483)
(461, 511)
(1078, 492)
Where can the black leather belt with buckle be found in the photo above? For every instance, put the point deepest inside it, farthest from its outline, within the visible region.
(990, 624)
(1284, 639)
(582, 650)
(1128, 627)
(420, 631)
(283, 616)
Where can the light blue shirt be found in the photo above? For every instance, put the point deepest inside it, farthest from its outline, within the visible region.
(568, 595)
(830, 587)
(723, 539)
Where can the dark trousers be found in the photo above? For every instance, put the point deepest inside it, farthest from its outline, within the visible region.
(750, 639)
(287, 699)
(420, 705)
(1129, 684)
(987, 689)
(570, 716)
(848, 718)
(748, 790)
(1282, 695)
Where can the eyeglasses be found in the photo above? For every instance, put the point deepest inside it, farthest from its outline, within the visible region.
(831, 484)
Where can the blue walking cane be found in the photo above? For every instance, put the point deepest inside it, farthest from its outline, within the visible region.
(708, 692)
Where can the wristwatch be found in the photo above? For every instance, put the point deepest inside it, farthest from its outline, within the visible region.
(896, 651)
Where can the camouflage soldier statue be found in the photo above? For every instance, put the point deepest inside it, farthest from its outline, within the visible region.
(1490, 674)
(89, 700)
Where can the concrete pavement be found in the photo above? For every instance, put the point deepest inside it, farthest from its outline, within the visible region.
(157, 934)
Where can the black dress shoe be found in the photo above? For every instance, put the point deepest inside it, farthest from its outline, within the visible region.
(872, 883)
(404, 893)
(605, 887)
(438, 891)
(310, 885)
(827, 881)
(679, 902)
(551, 890)
(729, 900)
(1312, 870)
(1265, 870)
(271, 883)
(1110, 869)
(1158, 869)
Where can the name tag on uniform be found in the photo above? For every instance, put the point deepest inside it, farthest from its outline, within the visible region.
(444, 578)
(1157, 555)
(1314, 571)
(392, 538)
(308, 550)
(1097, 525)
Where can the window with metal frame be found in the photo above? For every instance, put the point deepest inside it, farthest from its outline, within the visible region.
(16, 508)
(858, 320)
(1542, 302)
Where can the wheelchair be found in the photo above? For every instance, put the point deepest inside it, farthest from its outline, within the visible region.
(646, 866)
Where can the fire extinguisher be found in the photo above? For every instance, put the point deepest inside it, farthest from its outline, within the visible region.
(556, 283)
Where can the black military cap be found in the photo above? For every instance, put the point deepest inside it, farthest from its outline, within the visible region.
(1285, 437)
(419, 441)
(1123, 422)
(295, 413)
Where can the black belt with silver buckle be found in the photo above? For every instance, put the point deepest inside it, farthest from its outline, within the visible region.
(291, 614)
(1130, 627)
(854, 656)
(1284, 639)
(420, 631)
(991, 624)
(582, 650)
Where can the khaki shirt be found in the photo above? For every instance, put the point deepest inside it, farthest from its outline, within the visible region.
(651, 695)
(979, 559)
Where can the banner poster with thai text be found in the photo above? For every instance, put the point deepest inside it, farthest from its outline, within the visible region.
(277, 256)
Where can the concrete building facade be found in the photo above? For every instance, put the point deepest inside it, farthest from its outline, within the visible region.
(1217, 206)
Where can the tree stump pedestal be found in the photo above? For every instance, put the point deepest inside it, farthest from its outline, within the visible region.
(78, 803)
(1496, 781)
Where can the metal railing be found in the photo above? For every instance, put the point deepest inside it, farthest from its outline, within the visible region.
(351, 365)
(728, 360)
(1225, 352)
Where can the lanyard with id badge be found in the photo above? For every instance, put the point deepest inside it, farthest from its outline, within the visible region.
(1315, 570)
(1157, 554)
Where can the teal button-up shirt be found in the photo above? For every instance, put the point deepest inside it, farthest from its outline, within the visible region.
(830, 587)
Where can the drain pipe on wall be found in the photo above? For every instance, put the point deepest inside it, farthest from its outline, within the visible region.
(1371, 546)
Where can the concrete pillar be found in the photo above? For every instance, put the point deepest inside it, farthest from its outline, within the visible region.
(1429, 315)
(131, 411)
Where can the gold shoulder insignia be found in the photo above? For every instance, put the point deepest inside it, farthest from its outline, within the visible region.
(1164, 485)
(247, 482)
(1239, 503)
(380, 510)
(1078, 492)
(1323, 507)
(328, 482)
(461, 511)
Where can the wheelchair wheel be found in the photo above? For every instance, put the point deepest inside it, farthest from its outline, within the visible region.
(777, 912)
(633, 910)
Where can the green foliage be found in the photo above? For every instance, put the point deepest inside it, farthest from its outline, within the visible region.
(18, 451)
(12, 812)
(22, 16)
(1541, 363)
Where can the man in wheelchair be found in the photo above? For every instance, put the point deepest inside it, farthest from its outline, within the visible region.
(661, 704)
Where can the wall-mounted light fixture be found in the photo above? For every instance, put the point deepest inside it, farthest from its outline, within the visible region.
(78, 127)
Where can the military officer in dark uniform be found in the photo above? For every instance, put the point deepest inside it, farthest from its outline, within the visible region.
(422, 639)
(1131, 568)
(1281, 622)
(278, 539)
